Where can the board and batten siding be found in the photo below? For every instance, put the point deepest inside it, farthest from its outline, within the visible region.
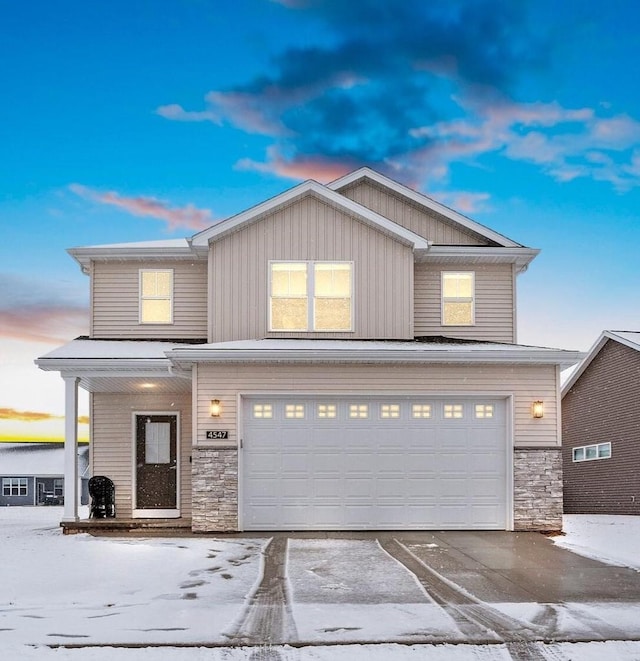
(115, 300)
(405, 212)
(526, 383)
(310, 229)
(494, 302)
(112, 441)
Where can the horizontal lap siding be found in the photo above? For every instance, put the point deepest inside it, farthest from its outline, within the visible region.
(527, 383)
(420, 220)
(603, 406)
(116, 301)
(310, 230)
(494, 304)
(112, 438)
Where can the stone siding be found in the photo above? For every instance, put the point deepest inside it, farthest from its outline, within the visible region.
(537, 489)
(215, 489)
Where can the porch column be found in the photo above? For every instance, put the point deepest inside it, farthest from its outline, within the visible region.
(70, 448)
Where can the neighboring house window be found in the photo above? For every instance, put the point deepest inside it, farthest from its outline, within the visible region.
(458, 298)
(156, 296)
(58, 487)
(14, 486)
(311, 296)
(591, 452)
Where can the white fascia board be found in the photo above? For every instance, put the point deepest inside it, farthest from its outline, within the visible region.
(605, 336)
(131, 251)
(520, 256)
(106, 366)
(310, 187)
(183, 358)
(424, 201)
(624, 338)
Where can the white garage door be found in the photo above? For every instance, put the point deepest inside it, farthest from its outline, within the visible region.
(373, 463)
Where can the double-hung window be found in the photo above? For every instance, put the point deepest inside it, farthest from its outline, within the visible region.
(311, 296)
(156, 296)
(458, 298)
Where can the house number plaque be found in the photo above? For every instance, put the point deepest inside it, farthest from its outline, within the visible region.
(217, 434)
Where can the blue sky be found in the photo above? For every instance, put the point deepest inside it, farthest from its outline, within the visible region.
(150, 119)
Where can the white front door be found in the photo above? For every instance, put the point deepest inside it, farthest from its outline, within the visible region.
(331, 463)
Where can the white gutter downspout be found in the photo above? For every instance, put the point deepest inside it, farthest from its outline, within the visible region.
(70, 448)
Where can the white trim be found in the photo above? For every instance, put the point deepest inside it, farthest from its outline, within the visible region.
(593, 352)
(297, 192)
(510, 449)
(422, 200)
(154, 513)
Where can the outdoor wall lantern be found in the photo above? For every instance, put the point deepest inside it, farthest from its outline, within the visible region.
(537, 409)
(216, 408)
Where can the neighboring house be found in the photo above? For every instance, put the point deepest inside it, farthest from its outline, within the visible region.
(340, 356)
(601, 428)
(32, 474)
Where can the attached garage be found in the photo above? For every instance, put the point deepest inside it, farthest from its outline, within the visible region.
(374, 463)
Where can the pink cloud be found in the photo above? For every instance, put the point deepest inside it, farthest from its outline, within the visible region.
(318, 168)
(41, 323)
(189, 216)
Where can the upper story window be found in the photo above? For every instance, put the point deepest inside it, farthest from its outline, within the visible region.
(458, 298)
(156, 296)
(311, 296)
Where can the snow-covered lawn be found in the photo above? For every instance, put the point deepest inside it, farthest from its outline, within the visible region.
(611, 539)
(159, 592)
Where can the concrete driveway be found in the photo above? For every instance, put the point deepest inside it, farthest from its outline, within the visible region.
(419, 587)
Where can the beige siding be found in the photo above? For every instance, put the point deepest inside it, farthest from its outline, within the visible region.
(494, 304)
(310, 230)
(525, 383)
(115, 301)
(112, 441)
(418, 219)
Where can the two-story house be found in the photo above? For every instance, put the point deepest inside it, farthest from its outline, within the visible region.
(340, 356)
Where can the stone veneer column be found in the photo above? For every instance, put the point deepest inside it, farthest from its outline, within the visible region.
(214, 474)
(537, 489)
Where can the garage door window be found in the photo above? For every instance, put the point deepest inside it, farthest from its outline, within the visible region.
(390, 411)
(453, 411)
(358, 410)
(262, 411)
(294, 411)
(421, 410)
(327, 411)
(484, 410)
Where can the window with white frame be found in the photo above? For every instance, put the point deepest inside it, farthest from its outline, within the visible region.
(421, 410)
(14, 486)
(156, 296)
(262, 411)
(294, 411)
(358, 410)
(453, 411)
(327, 410)
(591, 452)
(390, 410)
(58, 486)
(458, 298)
(311, 296)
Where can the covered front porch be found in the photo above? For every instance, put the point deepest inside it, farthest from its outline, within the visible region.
(140, 433)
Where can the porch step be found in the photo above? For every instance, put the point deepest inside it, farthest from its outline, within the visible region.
(171, 527)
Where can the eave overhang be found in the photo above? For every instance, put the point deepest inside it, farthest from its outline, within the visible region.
(520, 256)
(393, 353)
(148, 251)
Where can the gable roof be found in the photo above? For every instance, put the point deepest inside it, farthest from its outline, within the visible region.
(630, 339)
(305, 189)
(424, 201)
